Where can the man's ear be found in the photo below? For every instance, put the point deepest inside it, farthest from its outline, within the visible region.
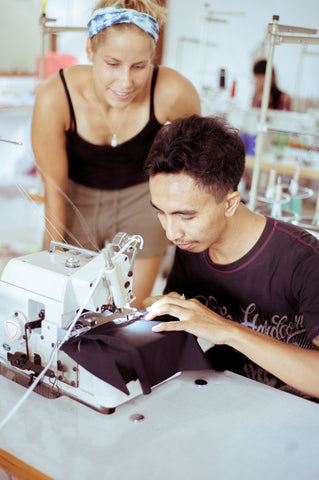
(88, 49)
(232, 201)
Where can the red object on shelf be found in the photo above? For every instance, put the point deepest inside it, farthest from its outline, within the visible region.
(53, 61)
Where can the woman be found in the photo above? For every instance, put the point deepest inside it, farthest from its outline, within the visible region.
(93, 126)
(278, 100)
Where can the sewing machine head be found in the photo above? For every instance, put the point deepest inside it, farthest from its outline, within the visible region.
(64, 292)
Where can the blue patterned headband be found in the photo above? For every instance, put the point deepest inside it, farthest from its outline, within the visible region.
(108, 16)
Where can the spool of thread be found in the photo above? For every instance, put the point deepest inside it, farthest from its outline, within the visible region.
(271, 183)
(222, 78)
(315, 220)
(295, 202)
(276, 207)
(278, 191)
(297, 173)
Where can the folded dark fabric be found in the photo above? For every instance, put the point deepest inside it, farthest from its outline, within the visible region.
(118, 354)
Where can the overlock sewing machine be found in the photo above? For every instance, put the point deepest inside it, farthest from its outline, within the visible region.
(61, 293)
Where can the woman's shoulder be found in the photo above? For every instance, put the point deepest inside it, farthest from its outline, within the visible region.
(175, 95)
(75, 76)
(78, 74)
(170, 77)
(52, 91)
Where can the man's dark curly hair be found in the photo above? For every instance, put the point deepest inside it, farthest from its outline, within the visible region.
(206, 148)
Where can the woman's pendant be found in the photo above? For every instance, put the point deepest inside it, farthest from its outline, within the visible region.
(114, 140)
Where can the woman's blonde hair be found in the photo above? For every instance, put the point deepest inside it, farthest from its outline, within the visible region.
(150, 7)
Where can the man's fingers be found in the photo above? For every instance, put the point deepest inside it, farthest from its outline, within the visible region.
(175, 309)
(159, 310)
(147, 302)
(168, 327)
(174, 305)
(175, 295)
(167, 301)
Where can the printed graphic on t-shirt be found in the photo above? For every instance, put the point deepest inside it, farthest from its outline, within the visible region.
(281, 327)
(287, 330)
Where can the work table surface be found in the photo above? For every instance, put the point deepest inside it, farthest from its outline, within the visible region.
(230, 428)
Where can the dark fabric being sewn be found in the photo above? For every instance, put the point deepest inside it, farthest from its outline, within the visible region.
(119, 354)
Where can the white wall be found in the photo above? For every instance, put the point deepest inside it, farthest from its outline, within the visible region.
(239, 41)
(236, 41)
(19, 34)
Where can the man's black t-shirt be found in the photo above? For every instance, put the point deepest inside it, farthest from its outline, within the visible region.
(273, 289)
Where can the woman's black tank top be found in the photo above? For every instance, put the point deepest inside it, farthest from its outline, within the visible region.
(105, 167)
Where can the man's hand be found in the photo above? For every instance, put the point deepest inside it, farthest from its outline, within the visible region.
(193, 317)
(150, 300)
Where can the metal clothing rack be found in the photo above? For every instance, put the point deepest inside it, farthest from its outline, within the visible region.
(52, 29)
(278, 34)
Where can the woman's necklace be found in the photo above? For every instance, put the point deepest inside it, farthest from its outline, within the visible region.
(114, 134)
(114, 141)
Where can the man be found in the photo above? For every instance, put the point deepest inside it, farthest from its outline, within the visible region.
(246, 283)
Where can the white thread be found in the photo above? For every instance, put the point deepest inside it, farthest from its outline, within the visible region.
(25, 193)
(82, 220)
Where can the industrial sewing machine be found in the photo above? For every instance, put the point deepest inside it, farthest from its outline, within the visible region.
(50, 296)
